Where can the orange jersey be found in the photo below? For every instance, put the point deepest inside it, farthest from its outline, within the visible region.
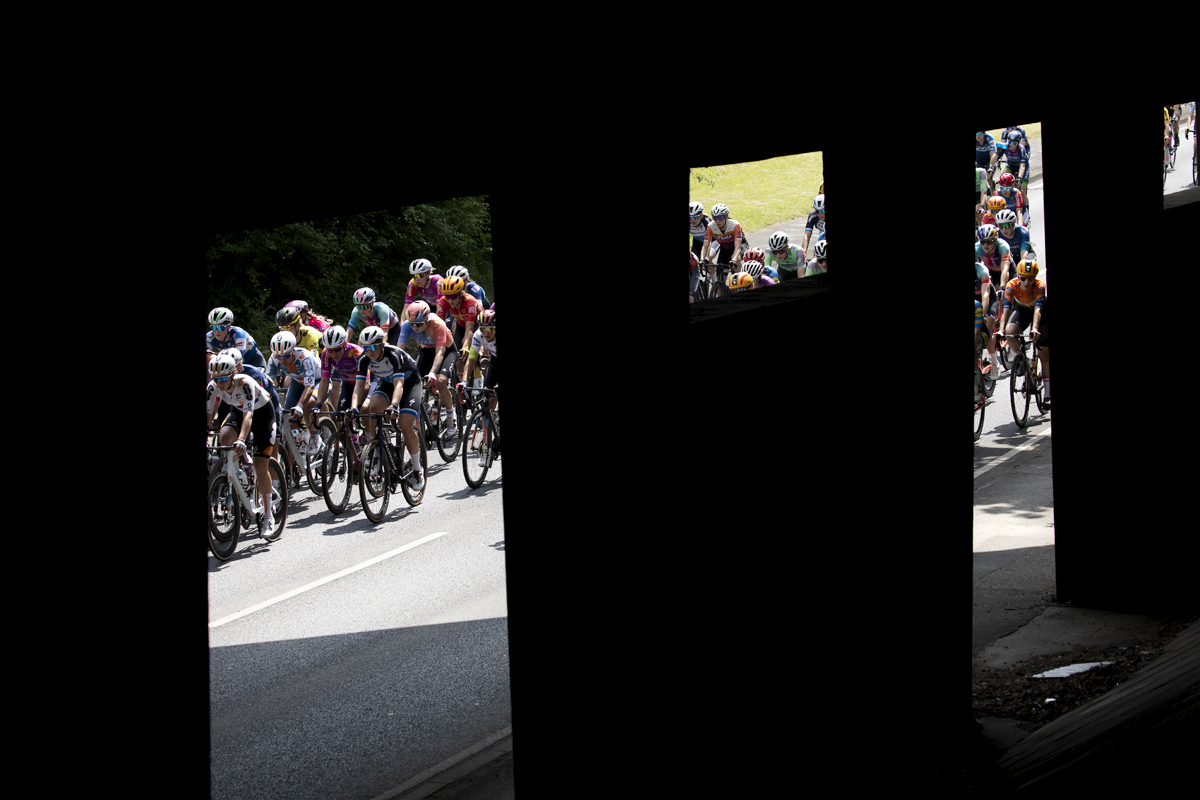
(1026, 298)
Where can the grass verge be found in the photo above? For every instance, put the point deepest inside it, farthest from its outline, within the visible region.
(760, 193)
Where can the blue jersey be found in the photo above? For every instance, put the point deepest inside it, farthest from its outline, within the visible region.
(242, 341)
(476, 291)
(988, 146)
(1019, 241)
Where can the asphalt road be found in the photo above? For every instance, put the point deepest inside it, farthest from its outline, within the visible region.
(343, 664)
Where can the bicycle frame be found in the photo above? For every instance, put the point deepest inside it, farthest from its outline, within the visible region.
(230, 470)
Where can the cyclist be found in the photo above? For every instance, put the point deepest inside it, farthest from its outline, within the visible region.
(698, 226)
(979, 336)
(993, 206)
(395, 387)
(786, 258)
(739, 282)
(297, 362)
(471, 288)
(341, 356)
(727, 232)
(755, 270)
(815, 222)
(817, 265)
(243, 394)
(438, 356)
(1014, 200)
(263, 381)
(1022, 140)
(367, 312)
(464, 308)
(288, 319)
(423, 286)
(993, 254)
(987, 300)
(225, 334)
(986, 154)
(307, 317)
(484, 342)
(1016, 236)
(981, 189)
(1024, 307)
(1166, 135)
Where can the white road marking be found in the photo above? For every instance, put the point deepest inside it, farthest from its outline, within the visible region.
(326, 579)
(1032, 441)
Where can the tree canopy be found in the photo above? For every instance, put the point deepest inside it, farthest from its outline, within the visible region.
(323, 262)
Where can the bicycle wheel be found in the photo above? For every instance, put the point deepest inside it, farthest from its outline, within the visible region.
(1018, 392)
(338, 465)
(449, 437)
(979, 409)
(1036, 369)
(411, 496)
(279, 502)
(224, 517)
(374, 481)
(477, 441)
(326, 430)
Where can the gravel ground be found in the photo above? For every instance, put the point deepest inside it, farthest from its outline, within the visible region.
(1013, 693)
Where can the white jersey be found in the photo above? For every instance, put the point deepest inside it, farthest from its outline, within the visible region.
(243, 393)
(482, 345)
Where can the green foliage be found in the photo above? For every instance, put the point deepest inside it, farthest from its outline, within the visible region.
(255, 273)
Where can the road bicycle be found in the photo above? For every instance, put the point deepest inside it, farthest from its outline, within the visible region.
(340, 462)
(295, 461)
(232, 494)
(435, 422)
(386, 465)
(481, 436)
(1024, 383)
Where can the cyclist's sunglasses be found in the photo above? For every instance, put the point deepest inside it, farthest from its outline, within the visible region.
(489, 329)
(221, 328)
(1027, 277)
(366, 306)
(417, 324)
(721, 217)
(374, 347)
(223, 380)
(697, 216)
(1008, 225)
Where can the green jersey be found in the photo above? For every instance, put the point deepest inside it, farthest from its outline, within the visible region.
(789, 263)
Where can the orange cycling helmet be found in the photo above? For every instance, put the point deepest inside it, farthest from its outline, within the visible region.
(996, 203)
(451, 286)
(1027, 269)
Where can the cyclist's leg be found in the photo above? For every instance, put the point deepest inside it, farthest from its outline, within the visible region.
(410, 415)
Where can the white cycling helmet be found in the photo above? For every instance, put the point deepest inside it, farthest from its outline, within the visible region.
(221, 365)
(233, 353)
(364, 296)
(720, 210)
(220, 316)
(754, 268)
(420, 265)
(778, 241)
(333, 337)
(372, 335)
(819, 202)
(283, 343)
(696, 208)
(458, 272)
(1006, 216)
(819, 249)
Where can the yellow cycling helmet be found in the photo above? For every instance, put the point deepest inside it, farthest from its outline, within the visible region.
(996, 203)
(1027, 269)
(451, 286)
(739, 281)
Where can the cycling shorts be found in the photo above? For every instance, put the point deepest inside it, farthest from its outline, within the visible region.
(262, 428)
(410, 398)
(425, 363)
